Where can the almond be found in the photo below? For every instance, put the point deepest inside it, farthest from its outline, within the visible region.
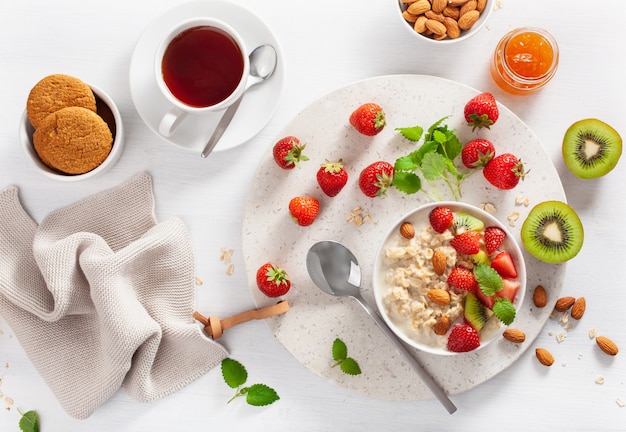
(540, 297)
(440, 262)
(480, 5)
(436, 16)
(452, 12)
(578, 308)
(409, 16)
(439, 296)
(514, 335)
(544, 356)
(469, 6)
(419, 7)
(452, 27)
(436, 27)
(420, 24)
(607, 345)
(439, 5)
(564, 303)
(442, 325)
(407, 230)
(467, 20)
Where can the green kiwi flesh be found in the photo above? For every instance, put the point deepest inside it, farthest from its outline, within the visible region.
(464, 222)
(591, 148)
(552, 232)
(474, 311)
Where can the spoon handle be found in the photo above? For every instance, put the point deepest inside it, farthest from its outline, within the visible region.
(221, 127)
(426, 378)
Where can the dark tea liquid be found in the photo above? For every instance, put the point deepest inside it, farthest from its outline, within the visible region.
(202, 66)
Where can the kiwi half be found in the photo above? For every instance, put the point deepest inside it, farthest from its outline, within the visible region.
(591, 148)
(552, 232)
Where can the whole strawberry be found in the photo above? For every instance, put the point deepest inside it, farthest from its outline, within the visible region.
(463, 338)
(462, 278)
(304, 210)
(273, 281)
(494, 237)
(376, 178)
(477, 153)
(332, 177)
(441, 219)
(288, 152)
(368, 119)
(466, 243)
(504, 171)
(481, 111)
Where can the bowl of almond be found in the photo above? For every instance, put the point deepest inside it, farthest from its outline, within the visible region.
(444, 21)
(449, 278)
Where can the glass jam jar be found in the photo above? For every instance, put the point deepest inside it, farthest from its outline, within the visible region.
(525, 60)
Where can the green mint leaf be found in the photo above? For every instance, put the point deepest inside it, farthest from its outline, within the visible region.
(406, 182)
(350, 366)
(433, 166)
(29, 422)
(260, 395)
(504, 310)
(411, 133)
(439, 136)
(340, 350)
(428, 147)
(488, 279)
(453, 146)
(434, 126)
(407, 163)
(234, 373)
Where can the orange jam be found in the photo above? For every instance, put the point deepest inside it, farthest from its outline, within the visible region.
(525, 60)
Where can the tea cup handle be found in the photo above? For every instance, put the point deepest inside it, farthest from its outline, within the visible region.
(170, 121)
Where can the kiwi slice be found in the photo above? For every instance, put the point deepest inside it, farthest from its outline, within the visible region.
(464, 222)
(552, 232)
(591, 148)
(474, 311)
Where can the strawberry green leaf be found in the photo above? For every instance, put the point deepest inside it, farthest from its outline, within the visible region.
(406, 163)
(440, 136)
(350, 366)
(433, 166)
(340, 350)
(407, 182)
(411, 133)
(504, 310)
(488, 279)
(260, 395)
(234, 373)
(29, 422)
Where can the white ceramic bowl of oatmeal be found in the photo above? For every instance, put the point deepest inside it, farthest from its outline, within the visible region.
(404, 274)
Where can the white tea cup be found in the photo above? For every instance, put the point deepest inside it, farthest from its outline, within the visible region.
(201, 66)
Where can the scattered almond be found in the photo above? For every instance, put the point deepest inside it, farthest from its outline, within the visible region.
(578, 308)
(607, 345)
(442, 325)
(440, 262)
(407, 230)
(544, 356)
(540, 297)
(514, 335)
(564, 303)
(439, 296)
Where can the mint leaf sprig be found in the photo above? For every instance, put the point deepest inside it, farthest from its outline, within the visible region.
(340, 355)
(434, 159)
(29, 422)
(490, 282)
(235, 376)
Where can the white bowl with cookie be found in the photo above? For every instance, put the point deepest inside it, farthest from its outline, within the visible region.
(69, 130)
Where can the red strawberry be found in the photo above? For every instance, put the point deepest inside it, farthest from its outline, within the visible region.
(481, 111)
(477, 153)
(488, 301)
(272, 280)
(304, 210)
(504, 171)
(288, 152)
(509, 289)
(462, 278)
(332, 177)
(504, 265)
(494, 236)
(368, 119)
(463, 338)
(376, 178)
(441, 219)
(466, 243)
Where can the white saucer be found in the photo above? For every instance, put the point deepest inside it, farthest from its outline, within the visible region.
(258, 105)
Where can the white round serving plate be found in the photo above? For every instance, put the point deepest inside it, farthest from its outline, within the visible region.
(258, 105)
(307, 331)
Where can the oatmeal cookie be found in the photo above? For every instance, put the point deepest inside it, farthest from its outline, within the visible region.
(73, 140)
(55, 92)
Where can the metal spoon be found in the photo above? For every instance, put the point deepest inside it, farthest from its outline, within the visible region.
(335, 270)
(263, 61)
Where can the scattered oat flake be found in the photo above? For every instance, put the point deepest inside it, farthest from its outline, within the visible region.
(357, 217)
(488, 207)
(522, 200)
(550, 333)
(230, 269)
(600, 380)
(199, 280)
(8, 401)
(513, 217)
(498, 5)
(564, 318)
(564, 364)
(620, 402)
(560, 337)
(568, 327)
(592, 333)
(226, 254)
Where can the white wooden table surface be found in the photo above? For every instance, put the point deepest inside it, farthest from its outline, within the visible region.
(327, 44)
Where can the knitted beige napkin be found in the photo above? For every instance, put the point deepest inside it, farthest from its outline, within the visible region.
(101, 296)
